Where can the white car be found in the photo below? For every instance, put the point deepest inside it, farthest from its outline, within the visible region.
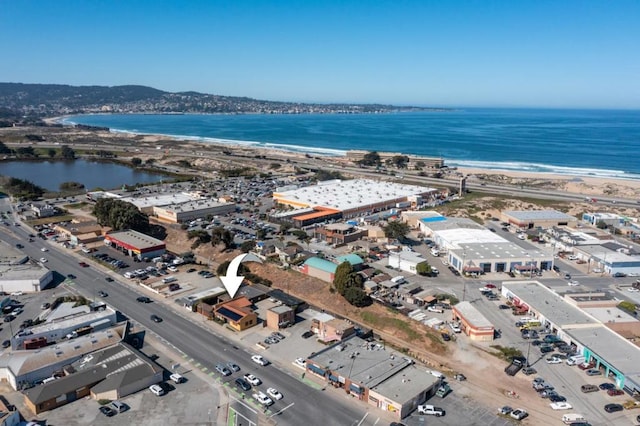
(17, 293)
(560, 406)
(44, 249)
(435, 309)
(300, 362)
(262, 399)
(176, 378)
(554, 360)
(274, 393)
(43, 260)
(252, 379)
(259, 359)
(573, 283)
(519, 414)
(156, 390)
(633, 290)
(573, 257)
(597, 271)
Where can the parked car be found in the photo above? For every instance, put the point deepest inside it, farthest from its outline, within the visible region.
(606, 386)
(505, 410)
(263, 399)
(527, 371)
(274, 393)
(589, 388)
(612, 408)
(156, 390)
(107, 411)
(431, 410)
(615, 392)
(243, 384)
(233, 366)
(519, 414)
(560, 406)
(557, 398)
(252, 379)
(176, 378)
(259, 359)
(300, 362)
(593, 372)
(307, 334)
(222, 369)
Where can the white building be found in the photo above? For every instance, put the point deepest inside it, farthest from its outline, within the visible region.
(200, 209)
(405, 260)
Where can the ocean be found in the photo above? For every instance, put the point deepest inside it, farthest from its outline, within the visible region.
(599, 143)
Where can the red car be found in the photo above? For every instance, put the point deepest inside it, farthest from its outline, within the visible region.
(84, 264)
(615, 392)
(490, 285)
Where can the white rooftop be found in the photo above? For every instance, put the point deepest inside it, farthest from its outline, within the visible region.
(455, 237)
(550, 305)
(610, 346)
(610, 315)
(160, 199)
(472, 315)
(539, 215)
(350, 194)
(196, 205)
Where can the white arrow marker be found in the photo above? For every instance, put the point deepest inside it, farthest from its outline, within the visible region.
(232, 281)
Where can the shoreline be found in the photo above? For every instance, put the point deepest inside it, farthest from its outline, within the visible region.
(493, 166)
(584, 184)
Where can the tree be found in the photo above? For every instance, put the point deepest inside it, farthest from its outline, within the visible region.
(399, 161)
(22, 189)
(5, 149)
(71, 186)
(247, 246)
(420, 165)
(396, 230)
(119, 214)
(150, 161)
(370, 159)
(51, 152)
(423, 268)
(357, 297)
(601, 224)
(342, 277)
(67, 153)
(224, 236)
(275, 166)
(136, 161)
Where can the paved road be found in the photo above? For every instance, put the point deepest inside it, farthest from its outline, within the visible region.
(203, 348)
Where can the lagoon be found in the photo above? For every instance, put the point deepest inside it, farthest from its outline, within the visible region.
(50, 174)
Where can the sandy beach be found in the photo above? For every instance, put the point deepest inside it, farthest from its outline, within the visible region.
(208, 152)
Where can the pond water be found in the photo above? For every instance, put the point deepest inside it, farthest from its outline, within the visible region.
(50, 174)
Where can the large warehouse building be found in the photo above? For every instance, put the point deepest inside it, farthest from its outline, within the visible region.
(178, 213)
(529, 219)
(135, 243)
(18, 273)
(350, 198)
(472, 249)
(578, 320)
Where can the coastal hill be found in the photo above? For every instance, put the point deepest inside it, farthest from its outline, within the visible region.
(46, 100)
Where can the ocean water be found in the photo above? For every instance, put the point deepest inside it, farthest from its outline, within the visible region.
(572, 142)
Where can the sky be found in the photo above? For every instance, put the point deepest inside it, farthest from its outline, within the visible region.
(512, 53)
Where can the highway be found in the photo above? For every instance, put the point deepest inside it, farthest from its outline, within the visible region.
(302, 402)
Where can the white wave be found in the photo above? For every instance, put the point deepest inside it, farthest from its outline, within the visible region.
(543, 168)
(310, 149)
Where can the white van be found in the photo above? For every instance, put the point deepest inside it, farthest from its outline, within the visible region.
(169, 279)
(575, 360)
(567, 419)
(398, 280)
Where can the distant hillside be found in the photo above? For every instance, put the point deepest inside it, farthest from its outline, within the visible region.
(42, 100)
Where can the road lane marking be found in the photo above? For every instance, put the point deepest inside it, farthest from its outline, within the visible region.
(363, 417)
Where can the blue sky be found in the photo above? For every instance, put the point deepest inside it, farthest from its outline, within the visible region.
(451, 53)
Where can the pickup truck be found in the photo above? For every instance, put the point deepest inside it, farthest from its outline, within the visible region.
(515, 366)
